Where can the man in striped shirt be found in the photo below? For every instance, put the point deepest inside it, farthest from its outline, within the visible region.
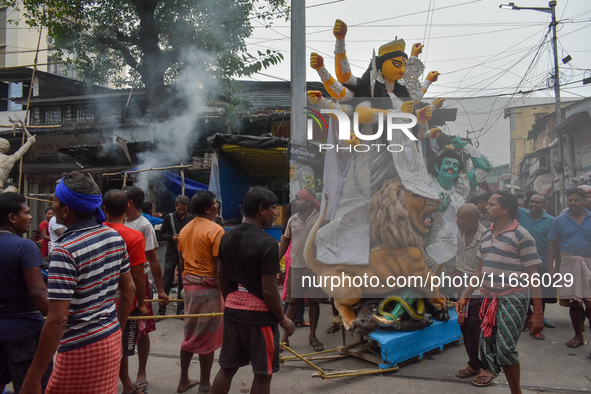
(87, 266)
(507, 261)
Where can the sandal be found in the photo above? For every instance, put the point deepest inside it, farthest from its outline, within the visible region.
(483, 379)
(142, 386)
(467, 372)
(539, 336)
(317, 345)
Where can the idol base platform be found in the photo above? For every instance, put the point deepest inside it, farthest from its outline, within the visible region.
(397, 346)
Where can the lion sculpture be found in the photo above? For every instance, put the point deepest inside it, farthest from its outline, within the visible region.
(398, 217)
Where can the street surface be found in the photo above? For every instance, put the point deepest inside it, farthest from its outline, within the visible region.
(546, 366)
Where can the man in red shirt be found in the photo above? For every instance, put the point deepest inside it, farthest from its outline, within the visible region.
(115, 203)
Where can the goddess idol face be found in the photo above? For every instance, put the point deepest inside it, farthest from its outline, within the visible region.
(394, 69)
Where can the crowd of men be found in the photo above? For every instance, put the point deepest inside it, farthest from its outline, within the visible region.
(520, 241)
(97, 279)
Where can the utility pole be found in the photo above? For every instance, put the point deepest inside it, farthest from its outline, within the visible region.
(561, 204)
(551, 9)
(297, 124)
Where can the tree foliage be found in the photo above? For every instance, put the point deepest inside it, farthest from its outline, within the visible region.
(155, 38)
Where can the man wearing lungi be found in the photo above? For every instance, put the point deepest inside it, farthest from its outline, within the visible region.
(135, 220)
(172, 224)
(537, 222)
(296, 232)
(507, 251)
(87, 266)
(115, 204)
(249, 264)
(569, 252)
(470, 232)
(199, 242)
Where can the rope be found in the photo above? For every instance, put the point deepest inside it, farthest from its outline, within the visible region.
(169, 300)
(213, 314)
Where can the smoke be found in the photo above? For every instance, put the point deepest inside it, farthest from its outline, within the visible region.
(175, 137)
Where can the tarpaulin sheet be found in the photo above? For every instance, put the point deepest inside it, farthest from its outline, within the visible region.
(174, 183)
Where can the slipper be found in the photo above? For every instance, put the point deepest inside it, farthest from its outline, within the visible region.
(574, 344)
(142, 386)
(317, 345)
(133, 392)
(303, 324)
(467, 372)
(549, 324)
(539, 336)
(484, 379)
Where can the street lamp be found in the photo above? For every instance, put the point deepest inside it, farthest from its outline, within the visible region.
(551, 9)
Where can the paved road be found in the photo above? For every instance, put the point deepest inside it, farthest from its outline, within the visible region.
(547, 366)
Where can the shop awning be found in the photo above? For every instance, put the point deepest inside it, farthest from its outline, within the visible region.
(259, 156)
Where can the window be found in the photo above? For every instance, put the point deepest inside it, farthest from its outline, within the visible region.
(53, 115)
(67, 116)
(35, 116)
(85, 114)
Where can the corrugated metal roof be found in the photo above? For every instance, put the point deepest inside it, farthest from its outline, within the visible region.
(262, 96)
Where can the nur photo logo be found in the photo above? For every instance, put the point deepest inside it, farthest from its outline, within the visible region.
(395, 121)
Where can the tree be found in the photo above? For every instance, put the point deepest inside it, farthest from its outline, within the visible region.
(155, 38)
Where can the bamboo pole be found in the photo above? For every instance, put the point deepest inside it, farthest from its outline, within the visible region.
(33, 127)
(20, 166)
(39, 199)
(146, 169)
(183, 181)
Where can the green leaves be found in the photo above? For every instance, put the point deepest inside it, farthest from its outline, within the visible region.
(155, 39)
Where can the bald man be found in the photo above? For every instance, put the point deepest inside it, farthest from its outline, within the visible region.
(469, 236)
(587, 190)
(537, 222)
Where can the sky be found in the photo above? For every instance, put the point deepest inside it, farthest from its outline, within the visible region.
(491, 58)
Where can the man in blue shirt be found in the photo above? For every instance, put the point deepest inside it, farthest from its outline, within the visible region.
(569, 252)
(147, 209)
(23, 294)
(537, 222)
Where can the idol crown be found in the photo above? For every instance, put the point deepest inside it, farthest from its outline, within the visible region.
(392, 46)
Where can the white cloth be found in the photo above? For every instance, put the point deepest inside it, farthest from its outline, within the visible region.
(142, 225)
(346, 238)
(443, 242)
(51, 228)
(336, 165)
(580, 268)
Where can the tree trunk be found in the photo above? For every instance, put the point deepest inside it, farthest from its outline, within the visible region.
(153, 64)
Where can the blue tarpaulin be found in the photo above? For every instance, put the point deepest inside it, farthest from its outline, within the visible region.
(235, 183)
(174, 183)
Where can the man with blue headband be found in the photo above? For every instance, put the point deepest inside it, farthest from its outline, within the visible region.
(88, 265)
